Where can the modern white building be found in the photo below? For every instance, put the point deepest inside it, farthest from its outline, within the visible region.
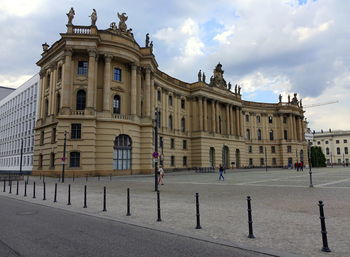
(18, 113)
(335, 146)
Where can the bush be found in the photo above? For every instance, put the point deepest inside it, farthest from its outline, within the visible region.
(318, 158)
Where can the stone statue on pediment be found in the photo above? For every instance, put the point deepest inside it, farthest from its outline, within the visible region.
(122, 19)
(295, 100)
(151, 46)
(288, 98)
(218, 79)
(239, 90)
(211, 80)
(70, 16)
(229, 86)
(300, 102)
(199, 75)
(203, 78)
(93, 17)
(113, 26)
(236, 89)
(147, 40)
(280, 98)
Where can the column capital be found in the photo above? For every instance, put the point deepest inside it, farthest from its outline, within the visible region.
(133, 66)
(108, 57)
(92, 52)
(68, 52)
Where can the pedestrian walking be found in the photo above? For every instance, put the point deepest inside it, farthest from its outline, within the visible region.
(160, 176)
(221, 171)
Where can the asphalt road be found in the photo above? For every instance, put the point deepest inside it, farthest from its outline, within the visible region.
(28, 230)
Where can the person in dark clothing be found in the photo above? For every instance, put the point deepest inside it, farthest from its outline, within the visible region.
(221, 171)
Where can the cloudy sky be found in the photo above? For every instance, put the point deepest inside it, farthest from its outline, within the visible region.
(267, 46)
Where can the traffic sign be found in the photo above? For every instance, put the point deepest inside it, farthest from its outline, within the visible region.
(155, 155)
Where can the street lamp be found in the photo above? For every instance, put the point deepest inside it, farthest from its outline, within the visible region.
(309, 156)
(156, 155)
(64, 155)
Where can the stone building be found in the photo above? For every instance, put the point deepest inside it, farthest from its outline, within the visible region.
(17, 122)
(103, 89)
(335, 145)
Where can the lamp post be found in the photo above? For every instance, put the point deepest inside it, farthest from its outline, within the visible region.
(156, 150)
(64, 155)
(309, 156)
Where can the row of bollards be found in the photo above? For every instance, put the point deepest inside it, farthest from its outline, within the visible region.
(325, 247)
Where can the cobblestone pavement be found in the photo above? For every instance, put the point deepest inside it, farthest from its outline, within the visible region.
(285, 208)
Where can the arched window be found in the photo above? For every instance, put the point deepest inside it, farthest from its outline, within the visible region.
(183, 125)
(170, 122)
(338, 150)
(58, 103)
(258, 119)
(212, 156)
(327, 151)
(248, 134)
(346, 151)
(46, 108)
(122, 152)
(271, 134)
(81, 100)
(259, 134)
(270, 119)
(116, 104)
(170, 100)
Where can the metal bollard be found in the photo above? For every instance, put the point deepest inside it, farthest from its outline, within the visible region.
(250, 219)
(44, 191)
(4, 185)
(17, 187)
(128, 202)
(198, 226)
(25, 188)
(69, 203)
(85, 206)
(10, 192)
(55, 194)
(34, 189)
(104, 199)
(325, 247)
(158, 206)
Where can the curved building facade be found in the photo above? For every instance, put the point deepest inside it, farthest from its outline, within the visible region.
(103, 89)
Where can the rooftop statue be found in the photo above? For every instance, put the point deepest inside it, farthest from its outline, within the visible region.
(151, 46)
(295, 100)
(239, 90)
(147, 40)
(93, 17)
(280, 98)
(236, 89)
(218, 79)
(229, 86)
(203, 78)
(200, 76)
(70, 16)
(288, 98)
(123, 18)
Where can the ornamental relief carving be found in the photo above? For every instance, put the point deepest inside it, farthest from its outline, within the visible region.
(118, 88)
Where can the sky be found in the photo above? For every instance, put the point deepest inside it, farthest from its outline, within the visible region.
(268, 47)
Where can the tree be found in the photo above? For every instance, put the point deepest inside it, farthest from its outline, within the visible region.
(318, 158)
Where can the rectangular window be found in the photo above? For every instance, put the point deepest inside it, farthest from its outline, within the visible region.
(52, 160)
(261, 161)
(159, 96)
(161, 142)
(273, 149)
(172, 143)
(184, 161)
(274, 161)
(250, 149)
(117, 74)
(53, 136)
(40, 161)
(285, 134)
(75, 131)
(289, 149)
(337, 141)
(172, 160)
(270, 119)
(184, 144)
(42, 135)
(182, 104)
(247, 118)
(284, 119)
(170, 101)
(261, 149)
(74, 159)
(82, 68)
(345, 141)
(346, 151)
(250, 161)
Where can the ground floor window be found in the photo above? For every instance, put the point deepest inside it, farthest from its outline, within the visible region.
(74, 159)
(122, 157)
(172, 160)
(184, 161)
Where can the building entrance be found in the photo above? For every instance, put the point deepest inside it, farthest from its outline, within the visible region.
(122, 157)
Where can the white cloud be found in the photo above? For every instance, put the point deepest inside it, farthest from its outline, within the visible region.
(223, 37)
(305, 33)
(13, 81)
(20, 7)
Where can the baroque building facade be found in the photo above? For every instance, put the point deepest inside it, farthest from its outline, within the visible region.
(103, 89)
(18, 113)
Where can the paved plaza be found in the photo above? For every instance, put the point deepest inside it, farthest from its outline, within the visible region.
(285, 209)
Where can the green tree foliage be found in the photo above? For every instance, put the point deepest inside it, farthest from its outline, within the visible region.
(317, 157)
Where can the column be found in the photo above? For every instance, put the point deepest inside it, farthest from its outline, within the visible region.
(133, 90)
(200, 108)
(205, 114)
(152, 94)
(148, 92)
(139, 93)
(302, 128)
(295, 128)
(227, 119)
(91, 79)
(107, 84)
(290, 130)
(241, 123)
(238, 121)
(217, 117)
(175, 112)
(213, 122)
(53, 91)
(231, 120)
(66, 80)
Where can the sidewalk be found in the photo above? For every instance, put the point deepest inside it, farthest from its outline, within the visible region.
(285, 211)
